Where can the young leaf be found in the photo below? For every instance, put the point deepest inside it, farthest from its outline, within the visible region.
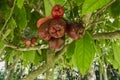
(84, 53)
(20, 3)
(92, 5)
(48, 6)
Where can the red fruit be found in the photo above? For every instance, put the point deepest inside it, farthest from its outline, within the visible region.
(33, 41)
(27, 42)
(43, 20)
(57, 28)
(57, 11)
(24, 41)
(75, 31)
(43, 31)
(56, 43)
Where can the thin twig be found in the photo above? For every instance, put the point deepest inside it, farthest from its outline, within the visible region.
(27, 49)
(6, 34)
(71, 9)
(8, 18)
(107, 35)
(1, 50)
(38, 9)
(105, 7)
(102, 9)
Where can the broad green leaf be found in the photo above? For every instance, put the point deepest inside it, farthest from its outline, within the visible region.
(115, 64)
(38, 59)
(11, 25)
(84, 53)
(11, 56)
(48, 6)
(115, 8)
(116, 50)
(92, 5)
(20, 3)
(70, 50)
(28, 57)
(20, 17)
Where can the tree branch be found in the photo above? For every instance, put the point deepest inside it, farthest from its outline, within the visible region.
(27, 49)
(50, 62)
(38, 71)
(107, 35)
(44, 67)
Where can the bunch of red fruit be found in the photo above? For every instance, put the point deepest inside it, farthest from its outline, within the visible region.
(30, 42)
(53, 28)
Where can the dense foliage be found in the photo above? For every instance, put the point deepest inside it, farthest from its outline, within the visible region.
(26, 55)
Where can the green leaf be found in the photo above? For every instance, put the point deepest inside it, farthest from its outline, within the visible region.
(116, 50)
(115, 8)
(7, 14)
(115, 64)
(84, 53)
(116, 23)
(20, 17)
(60, 2)
(11, 24)
(20, 3)
(11, 56)
(70, 50)
(92, 5)
(28, 57)
(48, 6)
(38, 59)
(1, 44)
(78, 2)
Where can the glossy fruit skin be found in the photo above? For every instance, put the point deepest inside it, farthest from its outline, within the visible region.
(27, 42)
(43, 20)
(75, 31)
(57, 28)
(57, 11)
(43, 31)
(56, 44)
